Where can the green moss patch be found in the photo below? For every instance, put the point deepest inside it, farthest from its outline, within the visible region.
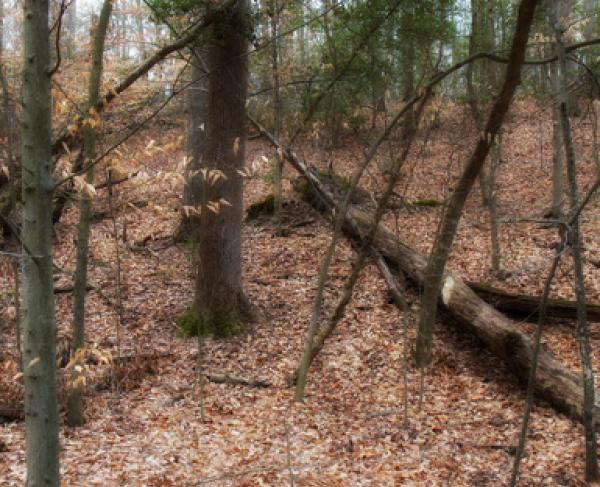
(190, 324)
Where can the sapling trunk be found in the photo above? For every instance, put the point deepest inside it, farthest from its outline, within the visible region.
(75, 410)
(592, 473)
(449, 224)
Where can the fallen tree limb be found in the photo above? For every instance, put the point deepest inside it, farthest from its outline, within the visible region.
(70, 134)
(524, 305)
(555, 383)
(237, 381)
(69, 289)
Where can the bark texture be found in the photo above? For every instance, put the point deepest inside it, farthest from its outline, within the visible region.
(219, 297)
(196, 135)
(41, 411)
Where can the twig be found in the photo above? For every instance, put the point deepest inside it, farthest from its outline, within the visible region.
(58, 26)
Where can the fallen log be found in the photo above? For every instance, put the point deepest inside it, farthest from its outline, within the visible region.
(527, 306)
(555, 383)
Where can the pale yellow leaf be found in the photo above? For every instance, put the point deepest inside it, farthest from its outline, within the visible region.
(33, 362)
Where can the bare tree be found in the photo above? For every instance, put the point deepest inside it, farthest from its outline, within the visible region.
(41, 410)
(75, 409)
(574, 240)
(449, 224)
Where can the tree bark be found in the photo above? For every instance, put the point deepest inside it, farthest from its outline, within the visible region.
(449, 224)
(219, 297)
(75, 410)
(196, 136)
(41, 410)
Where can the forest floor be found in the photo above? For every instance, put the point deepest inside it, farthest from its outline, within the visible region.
(350, 429)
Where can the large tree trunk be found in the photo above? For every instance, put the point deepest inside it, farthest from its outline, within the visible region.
(219, 298)
(39, 367)
(196, 136)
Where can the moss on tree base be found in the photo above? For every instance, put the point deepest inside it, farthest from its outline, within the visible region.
(190, 324)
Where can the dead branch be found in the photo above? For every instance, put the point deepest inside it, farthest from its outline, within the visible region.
(237, 381)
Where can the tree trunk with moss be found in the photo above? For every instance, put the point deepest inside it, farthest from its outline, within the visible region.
(75, 412)
(41, 408)
(219, 297)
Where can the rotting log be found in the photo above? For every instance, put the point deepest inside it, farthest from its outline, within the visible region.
(555, 383)
(527, 306)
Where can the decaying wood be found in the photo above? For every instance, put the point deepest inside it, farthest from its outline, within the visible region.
(555, 383)
(237, 381)
(527, 306)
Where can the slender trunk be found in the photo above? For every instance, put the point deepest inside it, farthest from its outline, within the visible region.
(318, 340)
(278, 161)
(17, 297)
(75, 401)
(534, 364)
(41, 409)
(219, 297)
(408, 60)
(303, 40)
(557, 156)
(574, 240)
(70, 30)
(139, 20)
(448, 225)
(492, 203)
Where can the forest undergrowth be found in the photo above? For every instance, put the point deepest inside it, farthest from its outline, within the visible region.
(143, 422)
